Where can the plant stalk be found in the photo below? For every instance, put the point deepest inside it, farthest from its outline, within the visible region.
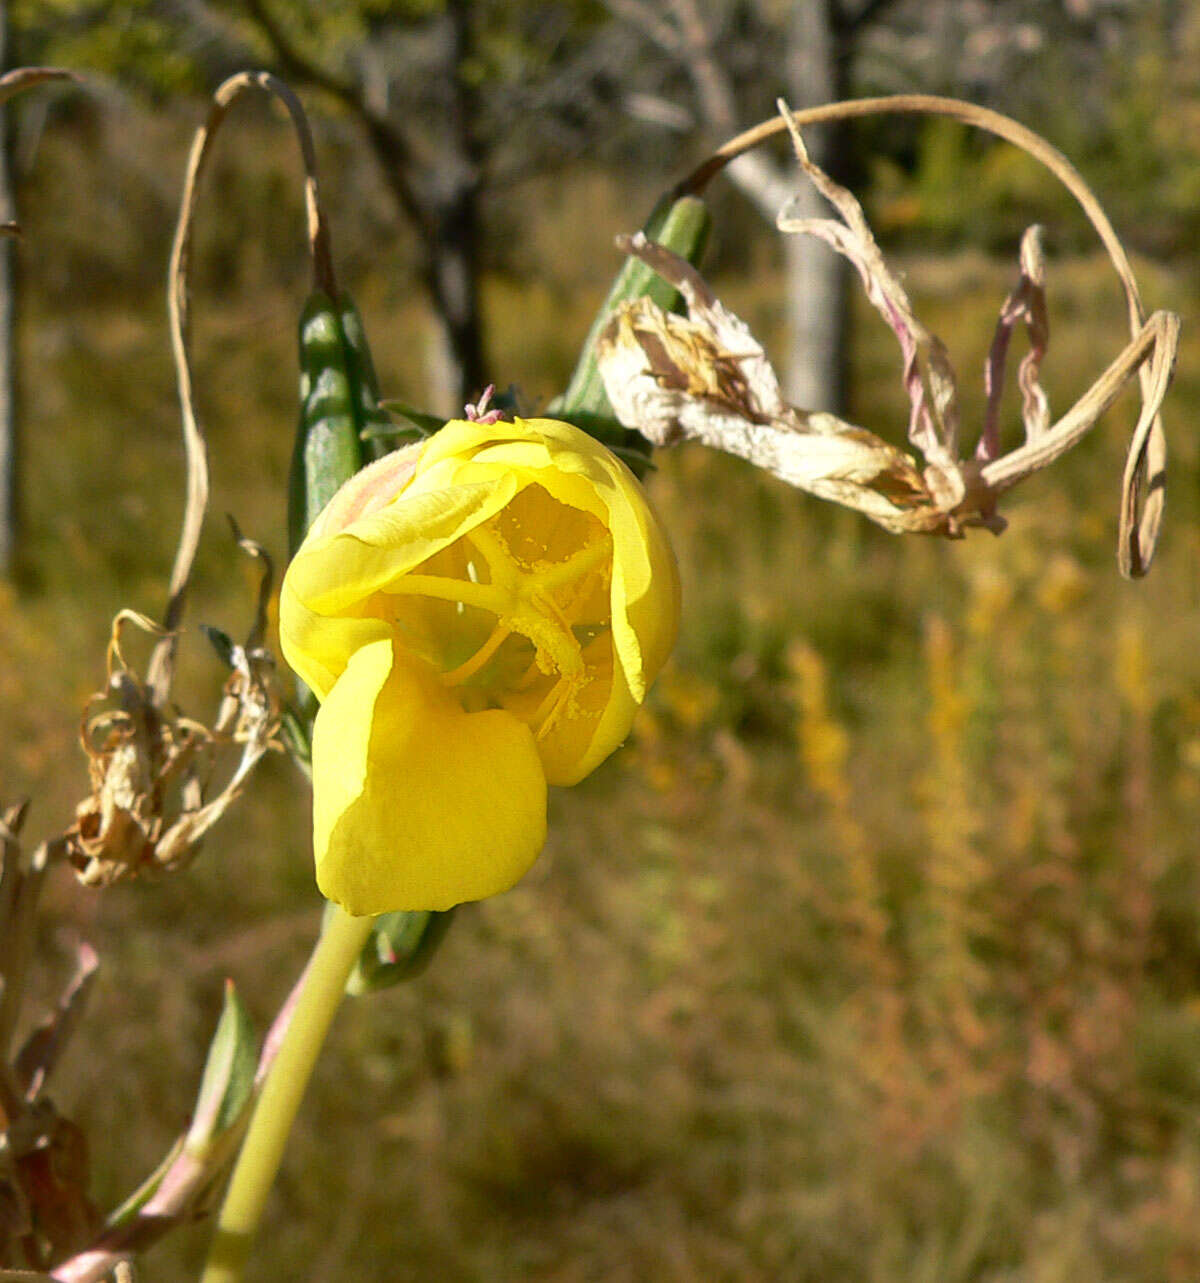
(258, 1161)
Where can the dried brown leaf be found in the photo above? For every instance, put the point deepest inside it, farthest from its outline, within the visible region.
(1027, 303)
(706, 378)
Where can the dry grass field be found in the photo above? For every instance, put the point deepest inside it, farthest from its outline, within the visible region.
(875, 954)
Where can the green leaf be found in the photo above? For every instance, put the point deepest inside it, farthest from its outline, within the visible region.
(222, 1106)
(227, 1085)
(411, 419)
(125, 1213)
(296, 725)
(221, 642)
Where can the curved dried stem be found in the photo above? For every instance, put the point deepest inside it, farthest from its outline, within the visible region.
(163, 660)
(993, 122)
(22, 78)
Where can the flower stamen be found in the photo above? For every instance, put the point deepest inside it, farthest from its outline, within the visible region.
(467, 670)
(541, 601)
(576, 566)
(553, 706)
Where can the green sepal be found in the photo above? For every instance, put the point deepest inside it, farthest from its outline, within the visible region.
(371, 419)
(407, 421)
(401, 945)
(682, 226)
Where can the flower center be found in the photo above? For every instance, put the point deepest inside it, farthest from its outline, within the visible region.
(516, 613)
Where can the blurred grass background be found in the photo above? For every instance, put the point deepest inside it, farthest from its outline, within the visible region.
(874, 955)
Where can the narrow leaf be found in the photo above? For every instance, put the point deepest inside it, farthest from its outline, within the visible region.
(228, 1081)
(221, 642)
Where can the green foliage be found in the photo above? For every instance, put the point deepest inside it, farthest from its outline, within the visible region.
(969, 189)
(1110, 119)
(130, 41)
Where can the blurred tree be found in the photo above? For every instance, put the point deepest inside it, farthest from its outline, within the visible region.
(1027, 57)
(456, 100)
(1092, 74)
(429, 150)
(810, 44)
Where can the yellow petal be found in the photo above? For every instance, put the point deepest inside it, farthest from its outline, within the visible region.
(577, 470)
(333, 573)
(418, 804)
(369, 490)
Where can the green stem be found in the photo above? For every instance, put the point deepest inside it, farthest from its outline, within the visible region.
(336, 952)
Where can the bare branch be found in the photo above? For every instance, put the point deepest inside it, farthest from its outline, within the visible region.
(849, 24)
(646, 19)
(300, 67)
(387, 139)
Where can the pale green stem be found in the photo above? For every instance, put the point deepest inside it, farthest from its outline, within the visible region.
(336, 952)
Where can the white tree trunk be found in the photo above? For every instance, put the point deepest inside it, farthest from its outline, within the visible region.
(816, 277)
(816, 309)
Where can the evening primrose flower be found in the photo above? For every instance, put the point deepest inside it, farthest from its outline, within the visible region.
(480, 614)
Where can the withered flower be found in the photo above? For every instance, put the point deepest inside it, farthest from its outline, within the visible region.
(150, 767)
(705, 377)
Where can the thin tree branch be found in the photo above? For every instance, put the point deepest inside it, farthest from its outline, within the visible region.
(689, 43)
(298, 65)
(646, 20)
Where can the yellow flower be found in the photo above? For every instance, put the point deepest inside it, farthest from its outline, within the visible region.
(479, 615)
